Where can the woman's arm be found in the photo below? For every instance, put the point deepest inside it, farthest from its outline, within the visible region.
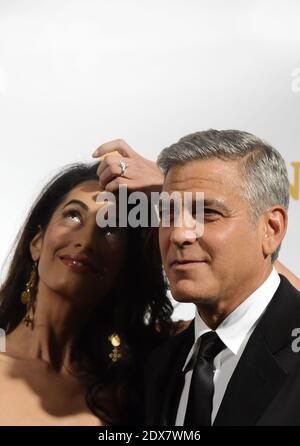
(280, 268)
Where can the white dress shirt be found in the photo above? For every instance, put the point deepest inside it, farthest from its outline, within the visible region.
(235, 332)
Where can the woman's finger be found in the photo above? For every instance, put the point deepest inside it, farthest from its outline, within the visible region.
(116, 145)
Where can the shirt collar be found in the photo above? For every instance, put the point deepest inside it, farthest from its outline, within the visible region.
(234, 329)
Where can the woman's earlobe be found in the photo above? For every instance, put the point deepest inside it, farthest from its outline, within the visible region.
(36, 245)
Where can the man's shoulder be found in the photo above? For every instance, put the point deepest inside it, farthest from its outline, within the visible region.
(281, 316)
(289, 292)
(182, 332)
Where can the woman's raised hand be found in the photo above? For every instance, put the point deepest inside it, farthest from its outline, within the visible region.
(120, 164)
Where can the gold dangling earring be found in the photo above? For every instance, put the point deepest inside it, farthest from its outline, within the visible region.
(27, 296)
(115, 341)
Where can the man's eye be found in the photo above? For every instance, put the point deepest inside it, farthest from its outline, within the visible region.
(211, 212)
(73, 215)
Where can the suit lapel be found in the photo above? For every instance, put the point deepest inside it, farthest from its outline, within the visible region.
(172, 379)
(260, 374)
(255, 381)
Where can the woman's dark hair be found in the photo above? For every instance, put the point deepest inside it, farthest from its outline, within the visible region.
(139, 312)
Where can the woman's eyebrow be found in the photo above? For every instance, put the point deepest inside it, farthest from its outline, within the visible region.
(79, 202)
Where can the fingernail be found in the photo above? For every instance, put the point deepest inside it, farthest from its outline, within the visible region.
(95, 154)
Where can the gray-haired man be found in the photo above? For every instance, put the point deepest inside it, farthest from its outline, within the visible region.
(235, 364)
(247, 374)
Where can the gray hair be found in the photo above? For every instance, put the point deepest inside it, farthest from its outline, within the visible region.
(265, 179)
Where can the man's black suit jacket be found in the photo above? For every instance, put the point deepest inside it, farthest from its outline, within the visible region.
(265, 386)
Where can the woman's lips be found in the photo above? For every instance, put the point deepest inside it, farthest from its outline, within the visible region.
(78, 264)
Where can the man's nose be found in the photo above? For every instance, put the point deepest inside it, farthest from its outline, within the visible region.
(183, 235)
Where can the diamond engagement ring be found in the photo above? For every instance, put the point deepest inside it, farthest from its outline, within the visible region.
(123, 164)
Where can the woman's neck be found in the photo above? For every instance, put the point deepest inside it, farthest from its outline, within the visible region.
(57, 324)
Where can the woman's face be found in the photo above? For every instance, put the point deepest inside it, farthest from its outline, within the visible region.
(77, 259)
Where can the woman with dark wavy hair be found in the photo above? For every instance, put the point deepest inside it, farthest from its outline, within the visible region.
(80, 306)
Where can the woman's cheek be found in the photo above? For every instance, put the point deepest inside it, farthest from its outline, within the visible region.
(58, 236)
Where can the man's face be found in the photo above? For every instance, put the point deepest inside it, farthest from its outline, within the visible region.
(227, 261)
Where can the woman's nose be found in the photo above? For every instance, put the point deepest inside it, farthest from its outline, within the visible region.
(87, 238)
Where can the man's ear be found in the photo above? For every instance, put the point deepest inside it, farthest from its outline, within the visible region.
(275, 225)
(36, 244)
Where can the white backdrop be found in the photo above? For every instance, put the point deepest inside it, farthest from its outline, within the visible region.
(76, 73)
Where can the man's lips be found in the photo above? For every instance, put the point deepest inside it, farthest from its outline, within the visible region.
(78, 263)
(185, 263)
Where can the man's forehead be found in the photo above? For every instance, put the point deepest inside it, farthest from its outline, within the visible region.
(203, 174)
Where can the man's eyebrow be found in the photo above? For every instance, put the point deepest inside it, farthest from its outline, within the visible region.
(79, 202)
(214, 202)
(206, 202)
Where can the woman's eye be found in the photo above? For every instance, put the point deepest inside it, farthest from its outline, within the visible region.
(73, 215)
(110, 231)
